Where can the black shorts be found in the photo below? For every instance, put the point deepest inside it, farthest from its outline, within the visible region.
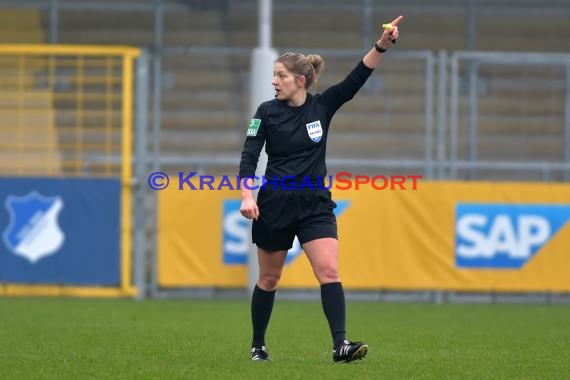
(284, 214)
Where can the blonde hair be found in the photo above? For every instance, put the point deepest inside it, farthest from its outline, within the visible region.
(308, 66)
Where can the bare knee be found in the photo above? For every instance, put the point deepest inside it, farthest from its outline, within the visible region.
(268, 282)
(328, 273)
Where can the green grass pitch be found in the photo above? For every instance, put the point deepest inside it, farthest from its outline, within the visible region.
(197, 339)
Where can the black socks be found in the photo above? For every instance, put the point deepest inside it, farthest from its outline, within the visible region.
(261, 307)
(332, 298)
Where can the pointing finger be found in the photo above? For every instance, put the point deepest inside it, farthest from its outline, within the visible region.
(397, 20)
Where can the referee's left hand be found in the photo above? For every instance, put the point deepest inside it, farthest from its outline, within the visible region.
(390, 35)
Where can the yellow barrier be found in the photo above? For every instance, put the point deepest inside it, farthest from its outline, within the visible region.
(67, 110)
(469, 236)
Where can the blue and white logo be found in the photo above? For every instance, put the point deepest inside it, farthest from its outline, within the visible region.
(33, 231)
(235, 234)
(315, 130)
(504, 235)
(236, 230)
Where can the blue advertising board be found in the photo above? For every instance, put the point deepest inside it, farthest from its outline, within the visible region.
(60, 231)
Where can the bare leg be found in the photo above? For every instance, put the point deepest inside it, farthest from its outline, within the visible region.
(323, 256)
(270, 268)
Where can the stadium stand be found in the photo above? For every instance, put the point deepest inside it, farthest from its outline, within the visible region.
(205, 103)
(28, 137)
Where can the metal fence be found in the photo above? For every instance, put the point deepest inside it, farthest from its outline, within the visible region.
(446, 115)
(60, 106)
(508, 108)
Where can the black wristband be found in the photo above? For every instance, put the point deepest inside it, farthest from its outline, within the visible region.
(378, 48)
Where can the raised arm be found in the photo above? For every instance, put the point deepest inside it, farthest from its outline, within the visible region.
(374, 57)
(335, 96)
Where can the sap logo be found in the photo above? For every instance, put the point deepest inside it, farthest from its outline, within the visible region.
(33, 231)
(237, 234)
(504, 236)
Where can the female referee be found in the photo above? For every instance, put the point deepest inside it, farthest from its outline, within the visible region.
(294, 127)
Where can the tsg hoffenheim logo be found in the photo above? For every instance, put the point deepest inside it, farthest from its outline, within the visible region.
(236, 233)
(33, 231)
(504, 235)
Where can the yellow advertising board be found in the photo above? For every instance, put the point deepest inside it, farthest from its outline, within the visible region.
(470, 236)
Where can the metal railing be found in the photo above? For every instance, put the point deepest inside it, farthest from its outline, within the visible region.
(475, 62)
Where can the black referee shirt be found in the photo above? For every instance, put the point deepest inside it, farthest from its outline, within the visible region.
(296, 137)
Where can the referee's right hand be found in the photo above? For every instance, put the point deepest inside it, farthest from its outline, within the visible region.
(249, 207)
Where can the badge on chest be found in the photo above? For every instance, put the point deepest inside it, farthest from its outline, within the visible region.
(315, 130)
